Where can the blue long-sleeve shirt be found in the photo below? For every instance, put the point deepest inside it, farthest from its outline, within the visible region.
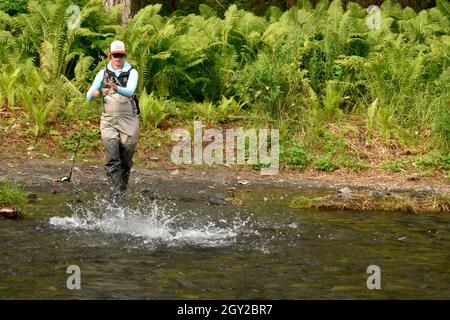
(127, 91)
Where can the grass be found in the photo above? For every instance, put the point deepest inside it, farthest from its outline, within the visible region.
(352, 164)
(12, 196)
(437, 203)
(397, 165)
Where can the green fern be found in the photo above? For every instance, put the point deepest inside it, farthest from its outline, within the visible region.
(152, 110)
(444, 7)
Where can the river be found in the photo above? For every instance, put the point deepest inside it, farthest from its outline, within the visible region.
(161, 249)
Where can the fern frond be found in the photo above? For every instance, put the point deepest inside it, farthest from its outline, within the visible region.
(444, 7)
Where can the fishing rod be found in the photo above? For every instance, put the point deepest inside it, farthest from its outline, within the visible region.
(68, 178)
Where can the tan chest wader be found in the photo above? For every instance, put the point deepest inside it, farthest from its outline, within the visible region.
(119, 127)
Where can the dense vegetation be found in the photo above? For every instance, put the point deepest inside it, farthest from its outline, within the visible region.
(338, 90)
(184, 7)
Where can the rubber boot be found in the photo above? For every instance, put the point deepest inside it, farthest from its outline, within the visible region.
(116, 194)
(114, 171)
(126, 157)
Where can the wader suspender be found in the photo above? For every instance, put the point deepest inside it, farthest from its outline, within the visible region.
(122, 80)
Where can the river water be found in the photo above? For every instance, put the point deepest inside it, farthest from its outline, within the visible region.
(188, 250)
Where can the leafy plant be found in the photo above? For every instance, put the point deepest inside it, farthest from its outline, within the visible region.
(298, 157)
(152, 110)
(424, 162)
(326, 163)
(445, 160)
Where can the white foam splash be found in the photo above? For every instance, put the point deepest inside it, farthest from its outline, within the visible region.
(152, 223)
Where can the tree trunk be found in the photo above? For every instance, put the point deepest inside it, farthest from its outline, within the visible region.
(130, 7)
(108, 4)
(172, 5)
(291, 3)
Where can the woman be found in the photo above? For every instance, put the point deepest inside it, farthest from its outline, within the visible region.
(119, 123)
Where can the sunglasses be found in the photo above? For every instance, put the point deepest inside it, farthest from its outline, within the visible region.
(118, 55)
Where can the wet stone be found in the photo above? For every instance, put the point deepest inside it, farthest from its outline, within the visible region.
(32, 197)
(344, 194)
(10, 272)
(345, 190)
(426, 191)
(9, 213)
(220, 196)
(216, 202)
(379, 193)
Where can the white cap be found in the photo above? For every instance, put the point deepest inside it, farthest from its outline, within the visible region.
(117, 47)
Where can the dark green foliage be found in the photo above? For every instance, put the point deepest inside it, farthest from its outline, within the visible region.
(315, 61)
(326, 163)
(184, 7)
(298, 157)
(446, 161)
(13, 7)
(357, 47)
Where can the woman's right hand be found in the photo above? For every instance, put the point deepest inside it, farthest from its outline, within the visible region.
(95, 93)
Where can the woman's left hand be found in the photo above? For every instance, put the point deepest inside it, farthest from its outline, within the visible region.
(112, 86)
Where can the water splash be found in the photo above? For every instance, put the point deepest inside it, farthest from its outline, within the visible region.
(153, 223)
